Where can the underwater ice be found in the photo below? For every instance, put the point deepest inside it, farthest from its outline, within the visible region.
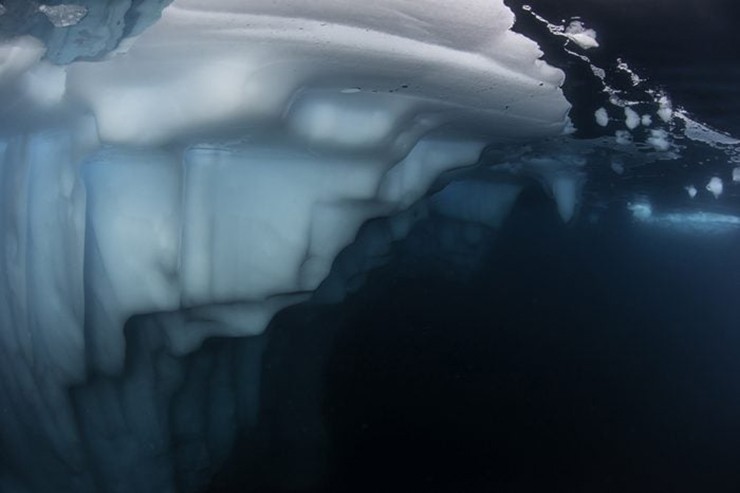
(205, 173)
(191, 176)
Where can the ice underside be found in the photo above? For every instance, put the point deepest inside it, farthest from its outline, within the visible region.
(204, 175)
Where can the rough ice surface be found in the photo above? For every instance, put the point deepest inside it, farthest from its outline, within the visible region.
(167, 181)
(580, 35)
(699, 132)
(203, 174)
(63, 15)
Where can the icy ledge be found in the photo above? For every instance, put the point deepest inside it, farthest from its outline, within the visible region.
(233, 151)
(213, 168)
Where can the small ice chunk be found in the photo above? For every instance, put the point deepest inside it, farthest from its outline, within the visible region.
(63, 15)
(617, 166)
(631, 118)
(602, 118)
(565, 191)
(626, 68)
(585, 38)
(691, 190)
(659, 140)
(641, 210)
(736, 175)
(715, 186)
(623, 137)
(665, 111)
(646, 120)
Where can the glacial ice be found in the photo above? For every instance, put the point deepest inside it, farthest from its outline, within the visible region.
(198, 176)
(63, 15)
(166, 181)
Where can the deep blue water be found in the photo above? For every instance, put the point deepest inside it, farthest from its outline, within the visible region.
(596, 357)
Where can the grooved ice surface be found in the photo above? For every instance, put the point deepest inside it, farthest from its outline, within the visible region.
(63, 15)
(204, 174)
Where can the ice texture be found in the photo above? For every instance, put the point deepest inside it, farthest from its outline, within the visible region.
(602, 117)
(201, 176)
(580, 35)
(63, 15)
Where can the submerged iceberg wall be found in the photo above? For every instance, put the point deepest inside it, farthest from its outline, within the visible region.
(207, 171)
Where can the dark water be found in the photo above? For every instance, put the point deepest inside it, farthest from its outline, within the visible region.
(596, 357)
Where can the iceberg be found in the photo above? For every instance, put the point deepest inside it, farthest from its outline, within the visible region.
(174, 172)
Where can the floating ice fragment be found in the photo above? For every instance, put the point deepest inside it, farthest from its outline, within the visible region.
(646, 120)
(585, 38)
(566, 191)
(691, 190)
(715, 186)
(623, 137)
(659, 140)
(63, 15)
(617, 166)
(665, 112)
(736, 175)
(641, 210)
(602, 118)
(626, 68)
(631, 118)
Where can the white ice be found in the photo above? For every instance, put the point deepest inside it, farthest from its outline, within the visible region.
(601, 116)
(715, 186)
(631, 118)
(63, 15)
(210, 170)
(580, 35)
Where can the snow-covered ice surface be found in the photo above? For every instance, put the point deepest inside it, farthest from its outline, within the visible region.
(175, 174)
